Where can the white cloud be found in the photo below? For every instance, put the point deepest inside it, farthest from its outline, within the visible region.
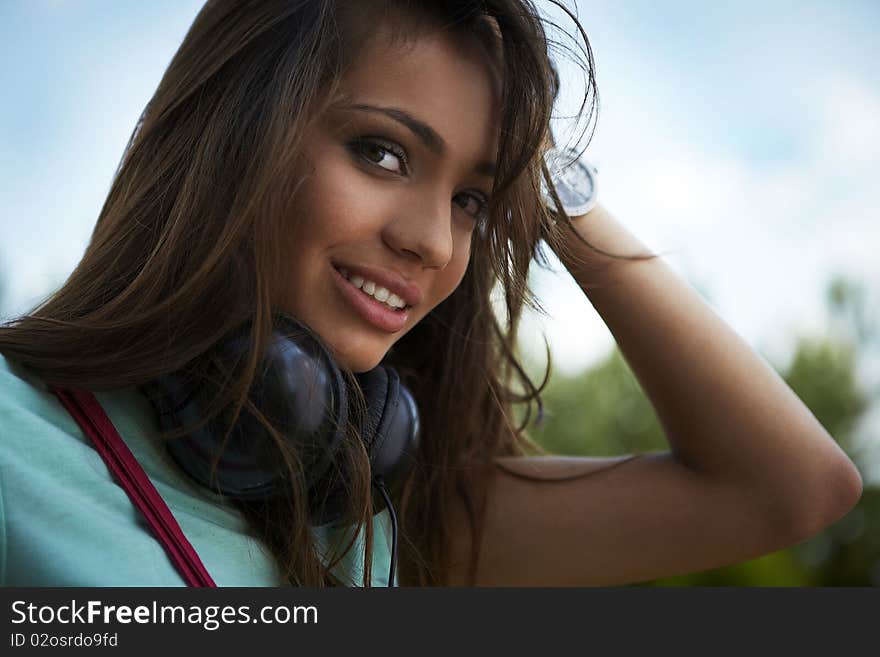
(761, 242)
(847, 114)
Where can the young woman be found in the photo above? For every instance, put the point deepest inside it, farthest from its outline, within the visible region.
(297, 159)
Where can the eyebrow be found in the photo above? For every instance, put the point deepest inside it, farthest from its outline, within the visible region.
(426, 134)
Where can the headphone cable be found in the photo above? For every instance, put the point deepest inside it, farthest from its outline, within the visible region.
(380, 484)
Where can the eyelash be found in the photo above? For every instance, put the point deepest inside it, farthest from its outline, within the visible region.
(357, 145)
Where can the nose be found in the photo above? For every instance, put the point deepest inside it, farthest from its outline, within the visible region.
(421, 227)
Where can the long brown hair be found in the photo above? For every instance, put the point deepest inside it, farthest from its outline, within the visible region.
(192, 223)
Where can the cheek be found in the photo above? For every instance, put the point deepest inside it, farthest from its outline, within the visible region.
(320, 217)
(340, 205)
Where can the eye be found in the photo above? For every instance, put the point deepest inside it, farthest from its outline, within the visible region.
(384, 154)
(476, 205)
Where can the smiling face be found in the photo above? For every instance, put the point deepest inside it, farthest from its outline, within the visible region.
(397, 176)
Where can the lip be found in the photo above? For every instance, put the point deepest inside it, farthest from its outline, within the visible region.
(390, 280)
(373, 311)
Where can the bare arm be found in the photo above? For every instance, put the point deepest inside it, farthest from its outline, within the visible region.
(726, 413)
(750, 469)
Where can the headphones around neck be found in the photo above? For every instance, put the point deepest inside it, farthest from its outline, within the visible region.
(300, 389)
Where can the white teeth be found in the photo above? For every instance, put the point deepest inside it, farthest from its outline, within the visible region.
(377, 292)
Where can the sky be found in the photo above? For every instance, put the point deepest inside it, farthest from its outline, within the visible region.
(742, 140)
(745, 139)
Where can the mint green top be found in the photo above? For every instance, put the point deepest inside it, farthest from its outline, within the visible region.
(64, 521)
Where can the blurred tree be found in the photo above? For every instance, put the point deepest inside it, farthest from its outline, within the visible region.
(603, 412)
(823, 374)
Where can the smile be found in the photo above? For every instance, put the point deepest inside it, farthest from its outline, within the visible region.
(376, 291)
(367, 304)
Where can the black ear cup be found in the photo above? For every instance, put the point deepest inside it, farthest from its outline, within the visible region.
(392, 426)
(301, 391)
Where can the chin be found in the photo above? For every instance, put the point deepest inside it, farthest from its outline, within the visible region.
(358, 361)
(362, 364)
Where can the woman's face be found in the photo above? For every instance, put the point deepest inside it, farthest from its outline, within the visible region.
(397, 175)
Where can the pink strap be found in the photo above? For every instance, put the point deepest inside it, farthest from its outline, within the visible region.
(87, 412)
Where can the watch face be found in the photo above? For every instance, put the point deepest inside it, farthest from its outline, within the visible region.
(574, 180)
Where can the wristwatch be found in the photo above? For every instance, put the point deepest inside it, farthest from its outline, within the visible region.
(574, 179)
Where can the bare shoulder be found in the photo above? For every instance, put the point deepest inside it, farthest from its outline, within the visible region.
(584, 521)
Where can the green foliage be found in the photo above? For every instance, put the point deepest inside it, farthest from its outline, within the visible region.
(781, 568)
(823, 375)
(602, 412)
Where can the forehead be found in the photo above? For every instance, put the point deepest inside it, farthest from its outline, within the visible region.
(445, 82)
